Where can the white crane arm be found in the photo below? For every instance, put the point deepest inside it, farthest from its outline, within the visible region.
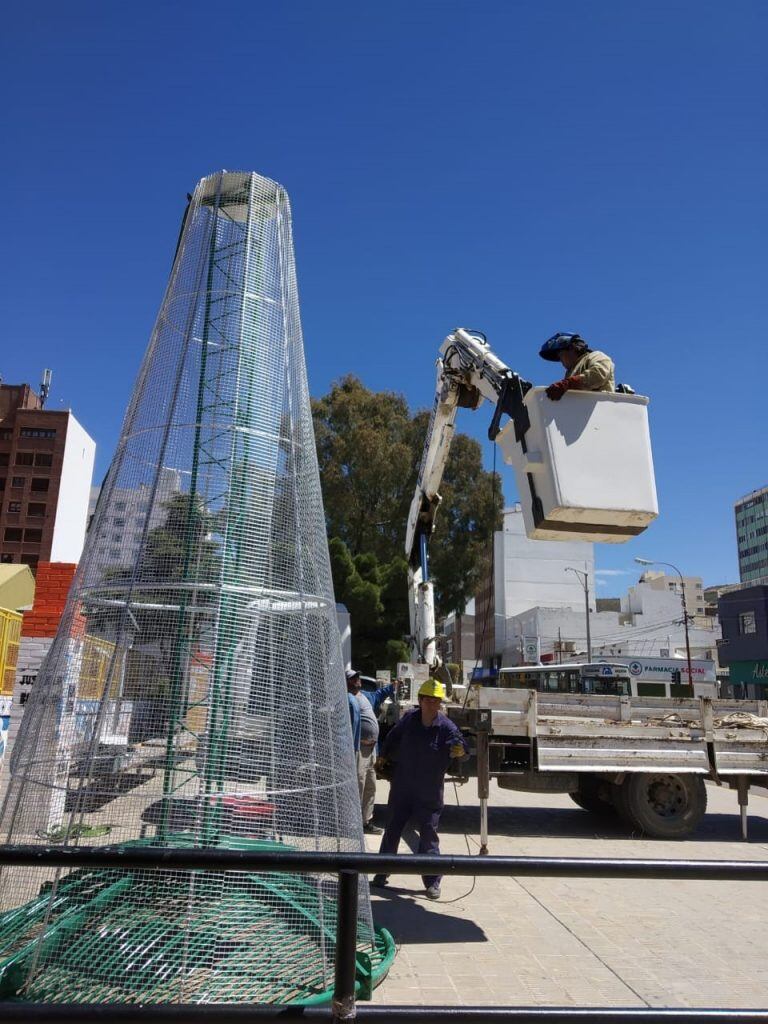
(468, 372)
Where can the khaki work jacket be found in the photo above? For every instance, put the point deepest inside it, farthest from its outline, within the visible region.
(597, 369)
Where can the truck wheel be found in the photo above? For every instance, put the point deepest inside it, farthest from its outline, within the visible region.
(660, 805)
(587, 796)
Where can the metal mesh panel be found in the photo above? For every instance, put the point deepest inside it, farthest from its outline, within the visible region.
(194, 694)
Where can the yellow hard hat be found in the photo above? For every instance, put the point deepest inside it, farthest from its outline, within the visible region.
(433, 688)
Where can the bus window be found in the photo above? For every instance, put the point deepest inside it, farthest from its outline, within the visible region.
(606, 687)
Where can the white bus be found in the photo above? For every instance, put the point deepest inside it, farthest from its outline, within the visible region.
(638, 678)
(600, 678)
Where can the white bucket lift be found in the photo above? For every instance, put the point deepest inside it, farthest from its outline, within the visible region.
(584, 468)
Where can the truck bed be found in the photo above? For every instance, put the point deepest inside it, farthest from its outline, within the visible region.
(587, 733)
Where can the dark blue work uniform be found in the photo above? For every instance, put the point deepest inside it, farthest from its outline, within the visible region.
(421, 755)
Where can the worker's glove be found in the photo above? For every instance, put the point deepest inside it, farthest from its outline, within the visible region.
(557, 390)
(383, 768)
(457, 751)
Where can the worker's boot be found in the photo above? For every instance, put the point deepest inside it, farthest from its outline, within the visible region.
(433, 891)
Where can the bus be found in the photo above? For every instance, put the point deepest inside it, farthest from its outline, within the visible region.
(599, 678)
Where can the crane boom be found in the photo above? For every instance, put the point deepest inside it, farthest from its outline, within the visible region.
(468, 373)
(583, 466)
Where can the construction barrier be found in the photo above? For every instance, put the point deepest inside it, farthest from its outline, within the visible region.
(10, 636)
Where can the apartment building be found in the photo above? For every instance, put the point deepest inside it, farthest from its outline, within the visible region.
(46, 465)
(751, 513)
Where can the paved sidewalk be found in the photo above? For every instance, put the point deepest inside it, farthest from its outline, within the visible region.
(538, 941)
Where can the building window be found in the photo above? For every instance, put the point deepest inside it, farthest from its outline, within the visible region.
(33, 536)
(2, 483)
(25, 458)
(118, 522)
(12, 533)
(14, 506)
(4, 458)
(746, 622)
(35, 508)
(43, 459)
(6, 433)
(6, 559)
(120, 506)
(36, 432)
(39, 484)
(17, 481)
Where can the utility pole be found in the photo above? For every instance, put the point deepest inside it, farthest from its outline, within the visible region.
(584, 580)
(646, 561)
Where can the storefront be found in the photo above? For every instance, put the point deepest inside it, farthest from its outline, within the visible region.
(749, 679)
(668, 677)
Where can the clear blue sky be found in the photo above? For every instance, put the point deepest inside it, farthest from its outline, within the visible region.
(519, 167)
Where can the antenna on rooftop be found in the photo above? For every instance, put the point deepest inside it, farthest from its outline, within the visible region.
(45, 387)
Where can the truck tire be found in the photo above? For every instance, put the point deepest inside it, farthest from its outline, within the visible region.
(587, 796)
(662, 805)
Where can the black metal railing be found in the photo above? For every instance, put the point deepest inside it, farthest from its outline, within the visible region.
(348, 867)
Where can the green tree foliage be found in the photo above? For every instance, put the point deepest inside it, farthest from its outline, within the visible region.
(369, 448)
(179, 549)
(375, 596)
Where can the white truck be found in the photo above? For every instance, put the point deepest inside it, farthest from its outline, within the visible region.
(584, 471)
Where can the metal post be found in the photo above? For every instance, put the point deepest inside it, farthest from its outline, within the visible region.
(742, 788)
(584, 580)
(669, 565)
(345, 976)
(586, 605)
(685, 625)
(483, 785)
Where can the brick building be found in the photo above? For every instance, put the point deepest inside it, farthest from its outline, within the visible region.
(46, 465)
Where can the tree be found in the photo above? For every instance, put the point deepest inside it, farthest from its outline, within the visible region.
(162, 617)
(376, 598)
(369, 449)
(365, 450)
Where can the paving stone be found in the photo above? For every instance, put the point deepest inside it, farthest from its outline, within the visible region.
(585, 942)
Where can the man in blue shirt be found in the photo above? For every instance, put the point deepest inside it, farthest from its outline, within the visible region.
(378, 696)
(354, 718)
(367, 708)
(421, 746)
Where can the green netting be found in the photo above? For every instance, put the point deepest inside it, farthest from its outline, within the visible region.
(140, 937)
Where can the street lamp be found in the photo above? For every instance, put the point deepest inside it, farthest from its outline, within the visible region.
(584, 578)
(646, 561)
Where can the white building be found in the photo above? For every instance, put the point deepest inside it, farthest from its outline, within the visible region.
(692, 586)
(74, 488)
(649, 624)
(530, 574)
(121, 540)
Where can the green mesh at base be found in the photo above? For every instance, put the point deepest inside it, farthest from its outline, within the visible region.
(134, 937)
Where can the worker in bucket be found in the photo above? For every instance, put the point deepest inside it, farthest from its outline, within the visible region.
(585, 370)
(415, 755)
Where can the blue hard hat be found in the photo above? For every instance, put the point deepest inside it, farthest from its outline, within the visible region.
(553, 346)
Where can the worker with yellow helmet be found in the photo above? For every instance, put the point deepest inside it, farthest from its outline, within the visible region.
(421, 746)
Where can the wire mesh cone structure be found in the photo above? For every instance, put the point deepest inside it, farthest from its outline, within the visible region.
(194, 694)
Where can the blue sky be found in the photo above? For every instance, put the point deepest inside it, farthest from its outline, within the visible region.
(518, 167)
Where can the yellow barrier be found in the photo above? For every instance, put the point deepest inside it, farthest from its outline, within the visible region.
(10, 636)
(96, 665)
